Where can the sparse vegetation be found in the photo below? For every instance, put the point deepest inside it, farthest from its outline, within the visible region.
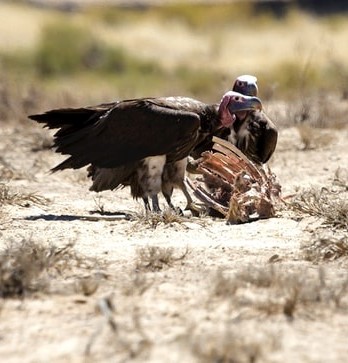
(10, 196)
(197, 17)
(323, 203)
(223, 298)
(166, 217)
(17, 100)
(317, 112)
(341, 178)
(272, 290)
(325, 248)
(27, 267)
(92, 54)
(313, 138)
(232, 344)
(152, 258)
(80, 49)
(83, 52)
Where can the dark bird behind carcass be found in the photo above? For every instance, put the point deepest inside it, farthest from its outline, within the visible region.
(253, 132)
(143, 142)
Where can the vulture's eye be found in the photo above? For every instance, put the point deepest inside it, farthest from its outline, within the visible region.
(237, 98)
(240, 83)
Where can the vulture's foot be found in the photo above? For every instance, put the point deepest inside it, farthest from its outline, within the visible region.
(155, 205)
(196, 209)
(178, 211)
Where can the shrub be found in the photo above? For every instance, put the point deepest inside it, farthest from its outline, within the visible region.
(64, 48)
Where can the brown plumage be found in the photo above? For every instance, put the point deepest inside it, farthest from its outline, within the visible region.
(143, 143)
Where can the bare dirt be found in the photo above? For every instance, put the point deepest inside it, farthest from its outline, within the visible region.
(214, 293)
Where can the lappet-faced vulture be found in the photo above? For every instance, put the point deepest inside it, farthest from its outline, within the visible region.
(252, 132)
(143, 142)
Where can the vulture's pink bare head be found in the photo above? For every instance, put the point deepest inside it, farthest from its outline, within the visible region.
(233, 102)
(246, 85)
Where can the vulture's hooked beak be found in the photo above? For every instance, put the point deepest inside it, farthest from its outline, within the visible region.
(251, 89)
(233, 102)
(246, 85)
(244, 103)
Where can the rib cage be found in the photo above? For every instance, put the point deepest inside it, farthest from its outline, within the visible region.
(234, 186)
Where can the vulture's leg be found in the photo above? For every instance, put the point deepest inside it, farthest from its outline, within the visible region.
(167, 193)
(155, 203)
(147, 204)
(168, 197)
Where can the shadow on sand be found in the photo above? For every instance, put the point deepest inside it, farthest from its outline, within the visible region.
(106, 216)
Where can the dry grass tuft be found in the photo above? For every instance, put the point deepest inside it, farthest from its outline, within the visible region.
(259, 277)
(313, 138)
(323, 203)
(7, 172)
(341, 178)
(8, 196)
(316, 112)
(26, 267)
(17, 100)
(138, 285)
(166, 217)
(153, 258)
(224, 286)
(40, 141)
(232, 345)
(272, 290)
(326, 249)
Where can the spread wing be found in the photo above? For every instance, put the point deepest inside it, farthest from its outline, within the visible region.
(126, 132)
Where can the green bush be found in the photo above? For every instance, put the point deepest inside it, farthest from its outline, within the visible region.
(67, 49)
(64, 48)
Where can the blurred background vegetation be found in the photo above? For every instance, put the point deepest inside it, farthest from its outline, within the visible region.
(61, 53)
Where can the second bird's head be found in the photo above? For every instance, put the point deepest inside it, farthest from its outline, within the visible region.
(233, 102)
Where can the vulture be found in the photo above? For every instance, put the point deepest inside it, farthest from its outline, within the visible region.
(143, 143)
(252, 131)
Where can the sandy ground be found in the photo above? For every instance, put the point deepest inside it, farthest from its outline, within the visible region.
(173, 314)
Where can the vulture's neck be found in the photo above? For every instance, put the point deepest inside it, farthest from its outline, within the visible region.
(210, 119)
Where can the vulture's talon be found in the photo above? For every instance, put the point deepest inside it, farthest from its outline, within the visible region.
(196, 209)
(178, 211)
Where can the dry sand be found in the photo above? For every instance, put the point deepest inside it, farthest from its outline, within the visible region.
(173, 314)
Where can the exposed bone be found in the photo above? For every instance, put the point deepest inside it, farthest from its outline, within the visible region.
(234, 186)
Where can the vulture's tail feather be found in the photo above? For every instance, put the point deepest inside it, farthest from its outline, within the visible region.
(72, 125)
(70, 163)
(63, 117)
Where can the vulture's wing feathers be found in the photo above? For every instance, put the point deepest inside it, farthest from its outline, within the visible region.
(110, 178)
(127, 132)
(268, 142)
(256, 136)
